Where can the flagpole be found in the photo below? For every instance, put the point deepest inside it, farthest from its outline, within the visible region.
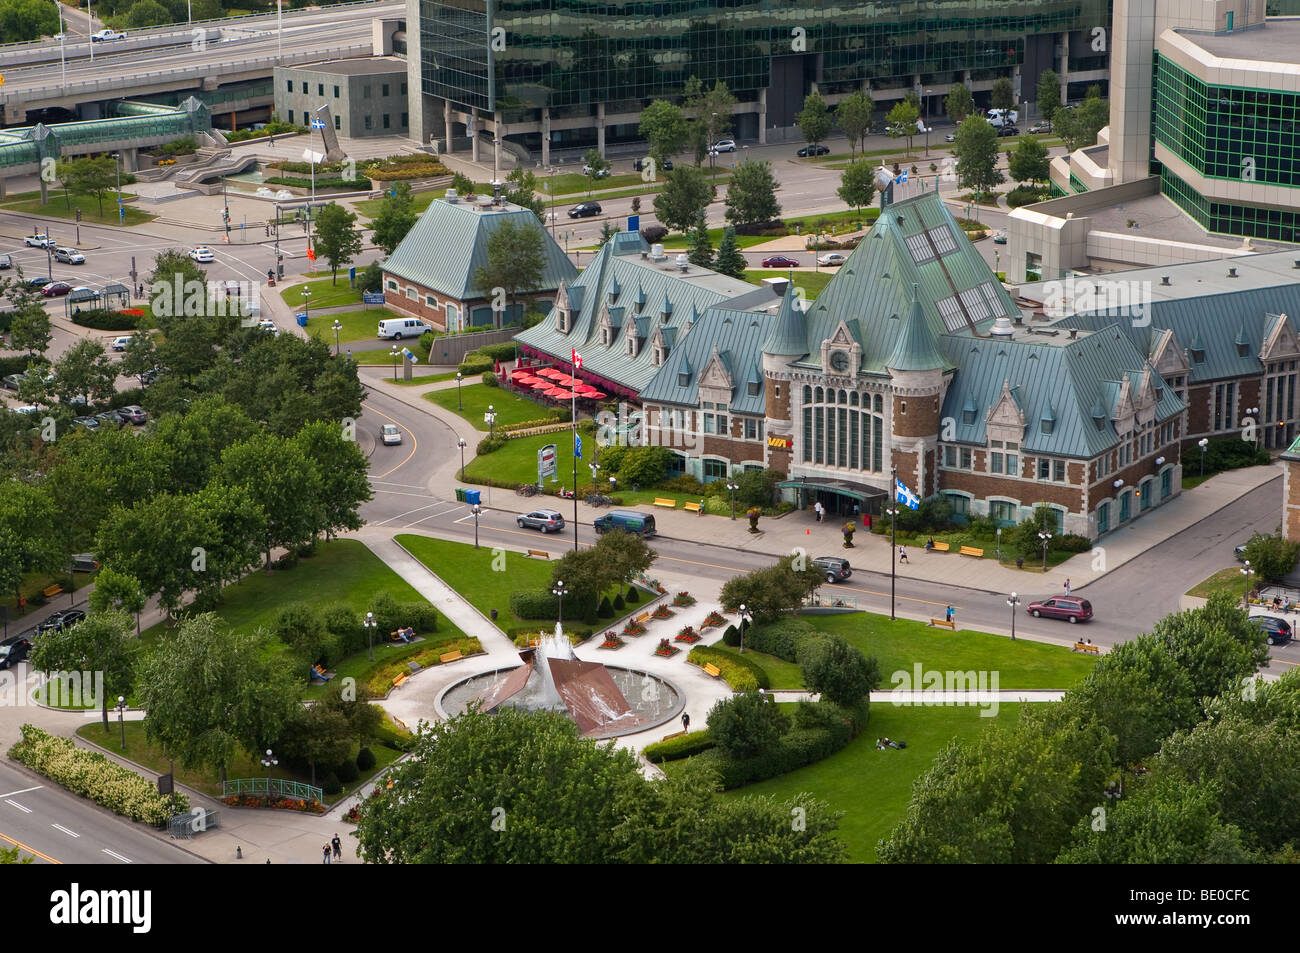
(573, 417)
(893, 547)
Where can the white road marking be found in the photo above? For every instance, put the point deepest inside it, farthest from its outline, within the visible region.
(451, 507)
(23, 791)
(25, 810)
(113, 853)
(60, 827)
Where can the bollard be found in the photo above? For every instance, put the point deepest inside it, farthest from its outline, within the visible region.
(239, 853)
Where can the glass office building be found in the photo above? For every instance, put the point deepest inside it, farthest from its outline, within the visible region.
(569, 57)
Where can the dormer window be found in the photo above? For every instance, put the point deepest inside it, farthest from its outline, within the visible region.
(660, 354)
(562, 320)
(1242, 348)
(1198, 356)
(631, 344)
(1048, 425)
(605, 336)
(683, 378)
(753, 388)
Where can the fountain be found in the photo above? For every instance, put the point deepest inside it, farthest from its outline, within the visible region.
(605, 701)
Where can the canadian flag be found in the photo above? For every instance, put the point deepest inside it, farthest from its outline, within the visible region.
(577, 360)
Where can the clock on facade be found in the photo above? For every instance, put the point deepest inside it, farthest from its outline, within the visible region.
(839, 361)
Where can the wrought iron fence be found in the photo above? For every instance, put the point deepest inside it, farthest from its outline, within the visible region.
(271, 787)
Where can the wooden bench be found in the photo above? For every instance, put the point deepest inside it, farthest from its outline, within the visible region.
(539, 553)
(711, 669)
(52, 591)
(943, 622)
(318, 672)
(940, 547)
(446, 657)
(643, 617)
(1087, 648)
(668, 504)
(692, 507)
(675, 734)
(971, 551)
(394, 637)
(397, 682)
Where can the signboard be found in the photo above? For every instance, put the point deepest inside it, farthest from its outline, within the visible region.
(372, 297)
(781, 443)
(545, 462)
(166, 784)
(634, 223)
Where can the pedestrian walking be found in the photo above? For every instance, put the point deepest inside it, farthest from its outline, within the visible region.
(819, 510)
(902, 554)
(271, 136)
(700, 512)
(338, 847)
(686, 722)
(326, 853)
(951, 616)
(1067, 586)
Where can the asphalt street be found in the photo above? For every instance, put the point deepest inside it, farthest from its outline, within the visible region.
(56, 827)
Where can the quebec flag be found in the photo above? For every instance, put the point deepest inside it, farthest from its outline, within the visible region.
(577, 447)
(905, 496)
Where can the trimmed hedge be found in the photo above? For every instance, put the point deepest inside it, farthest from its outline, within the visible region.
(470, 367)
(534, 604)
(781, 638)
(683, 746)
(103, 320)
(504, 351)
(741, 674)
(93, 776)
(521, 634)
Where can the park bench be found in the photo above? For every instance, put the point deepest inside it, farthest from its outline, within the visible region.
(318, 672)
(945, 623)
(1087, 648)
(643, 617)
(940, 547)
(669, 504)
(692, 507)
(394, 637)
(539, 553)
(675, 734)
(972, 551)
(452, 656)
(52, 591)
(397, 682)
(712, 669)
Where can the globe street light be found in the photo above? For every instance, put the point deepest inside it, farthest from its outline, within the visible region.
(1253, 414)
(490, 418)
(1046, 539)
(269, 762)
(1013, 602)
(1204, 444)
(370, 622)
(560, 590)
(121, 710)
(1245, 596)
(459, 405)
(461, 443)
(395, 353)
(731, 492)
(337, 328)
(306, 303)
(742, 628)
(476, 510)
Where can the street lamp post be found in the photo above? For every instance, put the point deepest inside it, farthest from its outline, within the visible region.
(731, 493)
(337, 328)
(1204, 444)
(395, 353)
(893, 548)
(461, 443)
(1046, 540)
(306, 304)
(490, 418)
(459, 405)
(926, 120)
(560, 590)
(121, 211)
(712, 151)
(1013, 602)
(1253, 414)
(369, 622)
(1245, 596)
(269, 761)
(477, 509)
(742, 628)
(121, 710)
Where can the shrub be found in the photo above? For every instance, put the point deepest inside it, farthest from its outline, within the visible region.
(837, 670)
(1025, 195)
(644, 466)
(683, 746)
(534, 604)
(91, 775)
(371, 277)
(102, 319)
(1272, 557)
(490, 379)
(731, 636)
(474, 365)
(502, 351)
(633, 595)
(742, 674)
(347, 772)
(619, 605)
(747, 724)
(331, 784)
(365, 759)
(181, 147)
(605, 610)
(490, 445)
(654, 233)
(781, 638)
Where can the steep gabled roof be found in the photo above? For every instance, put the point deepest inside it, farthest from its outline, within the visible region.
(737, 337)
(916, 349)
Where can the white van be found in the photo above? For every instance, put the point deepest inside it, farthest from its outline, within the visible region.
(399, 328)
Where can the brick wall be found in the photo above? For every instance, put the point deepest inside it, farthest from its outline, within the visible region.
(1028, 492)
(1291, 500)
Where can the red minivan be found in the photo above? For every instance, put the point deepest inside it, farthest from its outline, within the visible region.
(1062, 607)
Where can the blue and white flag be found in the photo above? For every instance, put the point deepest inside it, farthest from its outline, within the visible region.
(577, 447)
(902, 178)
(905, 496)
(318, 123)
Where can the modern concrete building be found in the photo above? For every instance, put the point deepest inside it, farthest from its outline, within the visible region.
(552, 75)
(368, 97)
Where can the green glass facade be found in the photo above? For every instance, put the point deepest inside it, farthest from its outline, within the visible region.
(568, 55)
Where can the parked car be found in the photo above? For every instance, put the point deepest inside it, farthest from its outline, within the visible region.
(6, 262)
(266, 324)
(14, 650)
(391, 435)
(584, 210)
(90, 423)
(665, 165)
(1000, 237)
(56, 289)
(134, 413)
(83, 562)
(38, 241)
(37, 282)
(586, 170)
(149, 376)
(112, 417)
(1071, 608)
(203, 254)
(950, 138)
(69, 256)
(1276, 631)
(106, 34)
(120, 343)
(832, 258)
(13, 380)
(1005, 130)
(397, 328)
(629, 521)
(1040, 127)
(779, 261)
(548, 521)
(58, 621)
(817, 150)
(725, 145)
(834, 568)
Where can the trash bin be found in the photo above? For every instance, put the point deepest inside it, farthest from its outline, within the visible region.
(494, 615)
(460, 494)
(472, 497)
(301, 318)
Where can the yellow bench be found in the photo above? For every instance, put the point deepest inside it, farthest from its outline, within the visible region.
(52, 591)
(692, 507)
(669, 504)
(940, 547)
(946, 624)
(643, 617)
(1087, 648)
(712, 669)
(446, 657)
(539, 553)
(675, 734)
(971, 551)
(397, 682)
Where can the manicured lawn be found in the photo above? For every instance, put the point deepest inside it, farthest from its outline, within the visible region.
(384, 355)
(873, 787)
(477, 397)
(325, 293)
(142, 751)
(901, 644)
(357, 325)
(516, 462)
(33, 586)
(575, 183)
(956, 538)
(58, 208)
(428, 379)
(806, 223)
(812, 282)
(780, 673)
(478, 576)
(369, 208)
(1230, 581)
(391, 659)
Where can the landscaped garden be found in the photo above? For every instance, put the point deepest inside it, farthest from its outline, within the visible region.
(325, 293)
(510, 408)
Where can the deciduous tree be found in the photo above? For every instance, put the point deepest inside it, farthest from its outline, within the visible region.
(853, 116)
(396, 217)
(337, 237)
(101, 642)
(683, 198)
(516, 261)
(751, 194)
(814, 119)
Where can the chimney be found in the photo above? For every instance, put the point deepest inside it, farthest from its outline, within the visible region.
(1074, 333)
(451, 196)
(1232, 272)
(1164, 279)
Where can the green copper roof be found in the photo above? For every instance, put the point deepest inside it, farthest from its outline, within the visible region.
(916, 349)
(789, 335)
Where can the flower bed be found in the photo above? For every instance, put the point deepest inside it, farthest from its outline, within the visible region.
(666, 649)
(612, 641)
(683, 599)
(279, 803)
(688, 635)
(714, 620)
(662, 612)
(91, 775)
(634, 628)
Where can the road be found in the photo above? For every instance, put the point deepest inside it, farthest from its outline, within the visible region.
(56, 827)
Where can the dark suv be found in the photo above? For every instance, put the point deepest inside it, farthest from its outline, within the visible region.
(834, 568)
(14, 650)
(585, 210)
(1276, 631)
(58, 621)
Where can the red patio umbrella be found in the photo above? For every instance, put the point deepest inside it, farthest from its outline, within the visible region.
(527, 380)
(542, 385)
(560, 393)
(582, 390)
(594, 395)
(551, 372)
(520, 372)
